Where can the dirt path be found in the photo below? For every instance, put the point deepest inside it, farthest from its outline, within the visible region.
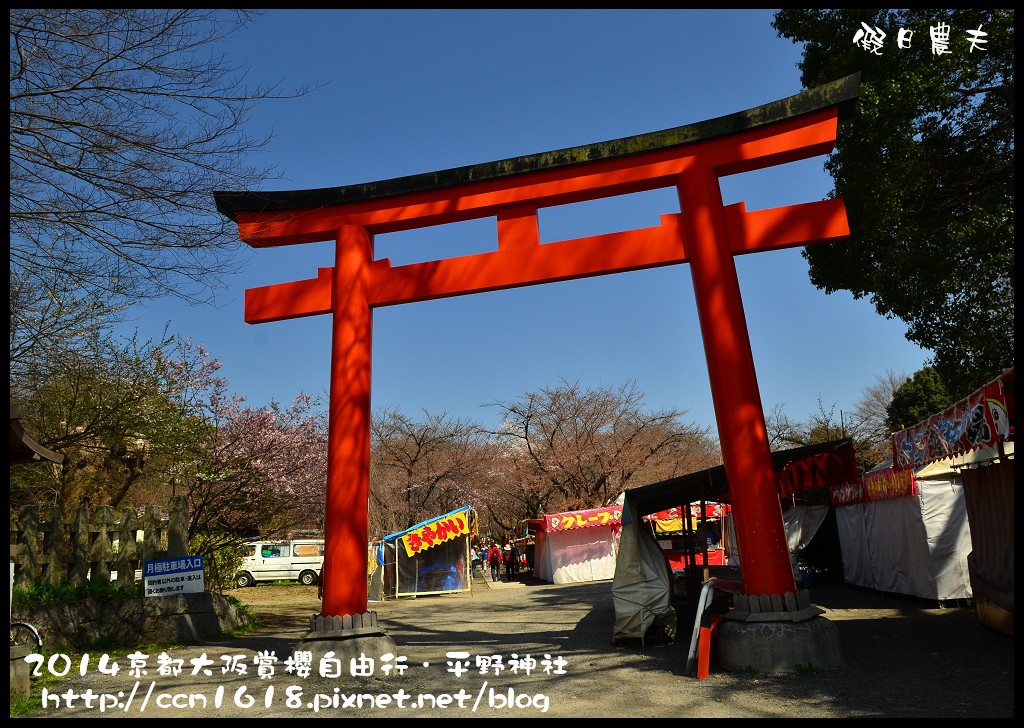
(905, 658)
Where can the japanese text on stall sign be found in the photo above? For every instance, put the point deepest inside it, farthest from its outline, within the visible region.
(585, 519)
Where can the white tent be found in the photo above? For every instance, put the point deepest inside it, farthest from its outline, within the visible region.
(914, 544)
(578, 546)
(969, 446)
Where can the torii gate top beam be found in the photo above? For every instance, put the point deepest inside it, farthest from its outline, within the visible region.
(257, 212)
(513, 190)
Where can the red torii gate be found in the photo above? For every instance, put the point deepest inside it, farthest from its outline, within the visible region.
(705, 234)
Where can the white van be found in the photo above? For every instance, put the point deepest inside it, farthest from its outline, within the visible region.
(299, 559)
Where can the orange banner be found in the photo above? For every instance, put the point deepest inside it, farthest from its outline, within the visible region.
(889, 483)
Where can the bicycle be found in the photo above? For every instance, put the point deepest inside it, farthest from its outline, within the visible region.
(24, 634)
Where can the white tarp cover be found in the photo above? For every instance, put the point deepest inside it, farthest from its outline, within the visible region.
(576, 555)
(642, 586)
(916, 545)
(802, 523)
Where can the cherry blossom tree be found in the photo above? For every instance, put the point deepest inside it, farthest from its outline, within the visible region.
(252, 471)
(246, 472)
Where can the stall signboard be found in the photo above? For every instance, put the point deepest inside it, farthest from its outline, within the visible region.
(889, 483)
(846, 494)
(584, 519)
(982, 419)
(671, 520)
(437, 531)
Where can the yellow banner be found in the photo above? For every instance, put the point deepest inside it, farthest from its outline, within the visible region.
(668, 526)
(443, 529)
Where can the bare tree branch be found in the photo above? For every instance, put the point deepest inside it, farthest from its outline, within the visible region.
(123, 124)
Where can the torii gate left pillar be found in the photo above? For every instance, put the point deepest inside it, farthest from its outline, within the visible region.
(705, 234)
(348, 458)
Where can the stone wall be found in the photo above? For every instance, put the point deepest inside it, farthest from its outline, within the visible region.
(178, 619)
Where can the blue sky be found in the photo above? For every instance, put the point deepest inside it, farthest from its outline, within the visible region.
(413, 91)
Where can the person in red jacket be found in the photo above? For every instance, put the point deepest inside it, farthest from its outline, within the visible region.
(494, 560)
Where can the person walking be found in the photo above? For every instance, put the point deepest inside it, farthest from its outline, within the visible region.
(494, 561)
(511, 561)
(476, 560)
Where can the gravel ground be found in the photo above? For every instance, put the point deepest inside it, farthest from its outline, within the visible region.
(904, 658)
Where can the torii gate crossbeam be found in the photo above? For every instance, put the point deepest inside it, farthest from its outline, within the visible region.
(704, 234)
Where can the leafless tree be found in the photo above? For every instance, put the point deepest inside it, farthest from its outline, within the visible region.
(875, 399)
(123, 123)
(871, 411)
(782, 431)
(865, 425)
(421, 469)
(568, 447)
(50, 325)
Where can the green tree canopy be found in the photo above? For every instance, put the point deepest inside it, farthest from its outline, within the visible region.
(105, 407)
(925, 167)
(918, 399)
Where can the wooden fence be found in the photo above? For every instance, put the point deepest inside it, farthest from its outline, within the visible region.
(91, 546)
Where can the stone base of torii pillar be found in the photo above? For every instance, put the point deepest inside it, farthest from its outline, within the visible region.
(351, 636)
(777, 634)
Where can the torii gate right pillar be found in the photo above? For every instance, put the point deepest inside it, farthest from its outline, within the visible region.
(753, 489)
